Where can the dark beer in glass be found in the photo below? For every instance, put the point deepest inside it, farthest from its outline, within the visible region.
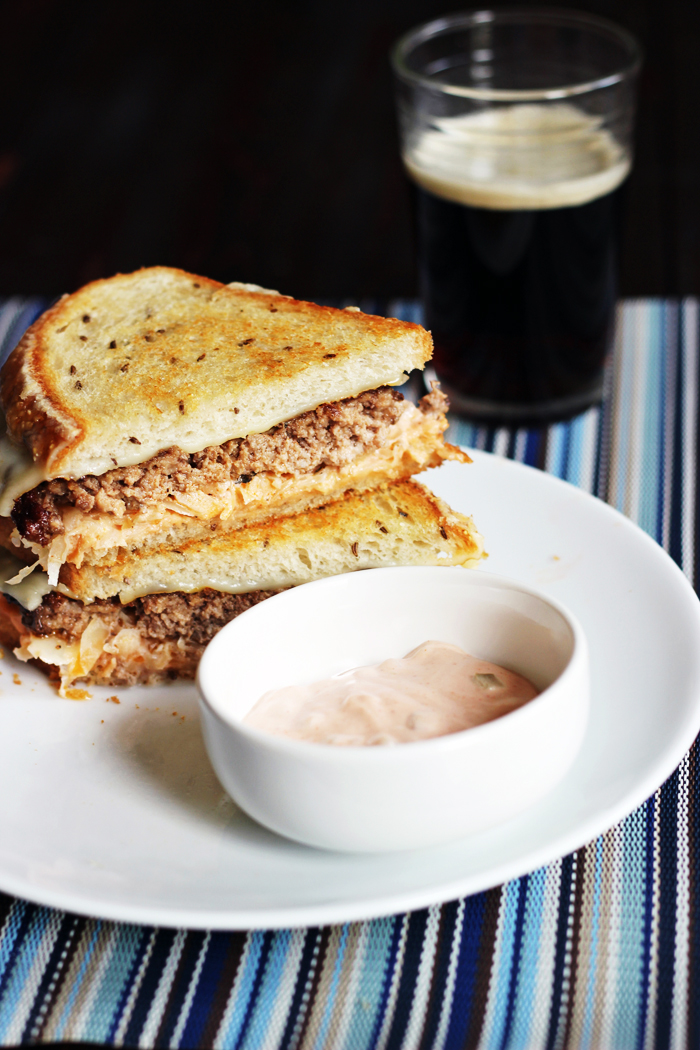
(517, 199)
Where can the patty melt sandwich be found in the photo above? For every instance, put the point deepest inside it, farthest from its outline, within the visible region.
(177, 449)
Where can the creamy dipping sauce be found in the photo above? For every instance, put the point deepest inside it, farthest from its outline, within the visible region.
(435, 690)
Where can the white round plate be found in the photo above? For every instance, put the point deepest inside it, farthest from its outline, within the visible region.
(112, 809)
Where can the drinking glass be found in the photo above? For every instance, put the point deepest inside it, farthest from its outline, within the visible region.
(516, 134)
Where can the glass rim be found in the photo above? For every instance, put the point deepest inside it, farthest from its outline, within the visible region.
(555, 16)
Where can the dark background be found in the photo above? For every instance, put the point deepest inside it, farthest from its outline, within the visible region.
(256, 141)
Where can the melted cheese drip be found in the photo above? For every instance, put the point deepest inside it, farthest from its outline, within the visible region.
(30, 591)
(18, 473)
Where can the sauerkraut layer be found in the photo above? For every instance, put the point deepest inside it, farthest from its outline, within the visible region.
(152, 639)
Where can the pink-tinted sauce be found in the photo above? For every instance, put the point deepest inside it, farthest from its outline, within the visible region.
(435, 690)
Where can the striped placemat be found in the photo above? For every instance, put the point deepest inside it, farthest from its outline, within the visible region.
(600, 949)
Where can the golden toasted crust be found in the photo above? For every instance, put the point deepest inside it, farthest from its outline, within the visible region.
(139, 362)
(34, 414)
(398, 524)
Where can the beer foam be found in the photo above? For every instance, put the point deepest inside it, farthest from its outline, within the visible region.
(528, 156)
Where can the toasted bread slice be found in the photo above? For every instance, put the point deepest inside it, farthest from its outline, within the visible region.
(398, 524)
(140, 362)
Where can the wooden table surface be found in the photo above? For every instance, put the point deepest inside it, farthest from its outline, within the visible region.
(257, 141)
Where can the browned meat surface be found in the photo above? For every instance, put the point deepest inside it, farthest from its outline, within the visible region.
(193, 617)
(67, 619)
(331, 435)
(36, 516)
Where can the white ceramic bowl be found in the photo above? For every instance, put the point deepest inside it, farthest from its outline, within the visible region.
(405, 795)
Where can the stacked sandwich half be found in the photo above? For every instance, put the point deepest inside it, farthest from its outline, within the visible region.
(178, 449)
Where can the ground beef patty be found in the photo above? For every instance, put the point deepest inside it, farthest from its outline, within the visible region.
(331, 435)
(185, 621)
